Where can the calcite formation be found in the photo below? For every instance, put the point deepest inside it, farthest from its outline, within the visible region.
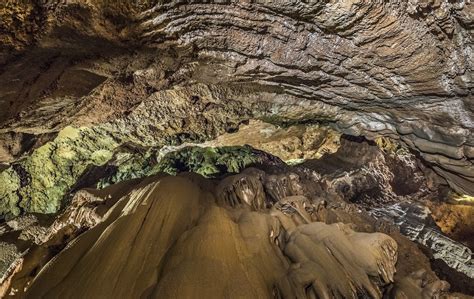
(211, 251)
(313, 149)
(292, 143)
(309, 240)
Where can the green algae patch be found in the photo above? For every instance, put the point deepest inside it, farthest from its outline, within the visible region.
(130, 165)
(294, 162)
(9, 184)
(40, 182)
(207, 161)
(69, 132)
(101, 156)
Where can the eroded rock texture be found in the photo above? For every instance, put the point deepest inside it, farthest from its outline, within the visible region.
(275, 230)
(414, 222)
(39, 182)
(206, 250)
(402, 69)
(369, 103)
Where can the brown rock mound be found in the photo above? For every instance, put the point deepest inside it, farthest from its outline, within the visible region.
(167, 238)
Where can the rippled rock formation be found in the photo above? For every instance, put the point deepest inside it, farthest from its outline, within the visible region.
(401, 69)
(276, 230)
(312, 123)
(210, 250)
(414, 222)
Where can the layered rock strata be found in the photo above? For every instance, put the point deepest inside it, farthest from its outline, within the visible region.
(401, 69)
(101, 92)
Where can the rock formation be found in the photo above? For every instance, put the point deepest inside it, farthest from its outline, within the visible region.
(210, 250)
(401, 69)
(413, 223)
(275, 231)
(176, 149)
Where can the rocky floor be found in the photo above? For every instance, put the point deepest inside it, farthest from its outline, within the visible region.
(251, 228)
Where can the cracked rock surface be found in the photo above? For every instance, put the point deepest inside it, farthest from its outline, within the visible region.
(401, 69)
(267, 149)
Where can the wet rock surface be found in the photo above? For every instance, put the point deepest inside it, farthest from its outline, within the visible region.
(401, 69)
(283, 218)
(328, 143)
(214, 241)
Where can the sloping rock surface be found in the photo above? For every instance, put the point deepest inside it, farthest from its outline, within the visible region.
(206, 250)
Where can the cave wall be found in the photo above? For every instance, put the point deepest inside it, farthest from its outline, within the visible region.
(401, 69)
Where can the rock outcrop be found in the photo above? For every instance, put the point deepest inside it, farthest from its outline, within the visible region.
(39, 182)
(401, 69)
(322, 136)
(211, 251)
(414, 222)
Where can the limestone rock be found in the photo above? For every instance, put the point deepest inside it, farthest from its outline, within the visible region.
(401, 69)
(414, 223)
(206, 250)
(369, 101)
